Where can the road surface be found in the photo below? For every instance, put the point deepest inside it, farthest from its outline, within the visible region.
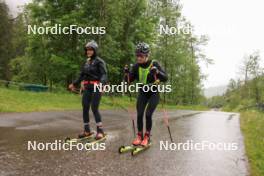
(16, 129)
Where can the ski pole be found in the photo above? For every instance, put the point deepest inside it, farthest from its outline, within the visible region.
(122, 107)
(133, 124)
(134, 129)
(166, 119)
(132, 118)
(128, 81)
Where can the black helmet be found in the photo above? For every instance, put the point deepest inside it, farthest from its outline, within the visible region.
(142, 48)
(92, 44)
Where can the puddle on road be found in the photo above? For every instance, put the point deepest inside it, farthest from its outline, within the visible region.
(16, 159)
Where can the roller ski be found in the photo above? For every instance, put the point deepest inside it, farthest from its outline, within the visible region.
(88, 137)
(99, 137)
(140, 149)
(144, 144)
(133, 149)
(125, 149)
(82, 137)
(138, 145)
(96, 140)
(135, 143)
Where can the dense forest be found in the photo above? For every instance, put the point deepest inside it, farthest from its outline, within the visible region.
(54, 60)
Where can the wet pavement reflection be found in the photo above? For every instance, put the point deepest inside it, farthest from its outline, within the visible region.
(16, 129)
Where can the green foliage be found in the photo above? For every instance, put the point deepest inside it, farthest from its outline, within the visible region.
(252, 123)
(20, 68)
(216, 102)
(5, 42)
(56, 59)
(179, 54)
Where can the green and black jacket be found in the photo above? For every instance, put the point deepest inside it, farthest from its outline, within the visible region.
(141, 73)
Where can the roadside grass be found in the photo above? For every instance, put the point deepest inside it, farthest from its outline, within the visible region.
(24, 101)
(188, 107)
(13, 100)
(252, 126)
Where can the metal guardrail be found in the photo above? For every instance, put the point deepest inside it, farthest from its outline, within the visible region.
(24, 86)
(259, 106)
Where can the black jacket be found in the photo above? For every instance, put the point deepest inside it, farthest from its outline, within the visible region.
(93, 70)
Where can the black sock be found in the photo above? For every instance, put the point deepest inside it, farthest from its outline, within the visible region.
(100, 129)
(87, 128)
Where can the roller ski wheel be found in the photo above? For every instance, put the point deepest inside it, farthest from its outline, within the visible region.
(67, 139)
(94, 141)
(139, 149)
(125, 149)
(77, 140)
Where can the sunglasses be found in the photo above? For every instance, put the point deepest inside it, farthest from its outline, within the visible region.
(140, 55)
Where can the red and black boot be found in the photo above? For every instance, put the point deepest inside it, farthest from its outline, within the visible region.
(138, 139)
(145, 142)
(86, 133)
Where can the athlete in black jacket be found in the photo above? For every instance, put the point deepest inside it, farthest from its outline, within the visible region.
(146, 72)
(93, 72)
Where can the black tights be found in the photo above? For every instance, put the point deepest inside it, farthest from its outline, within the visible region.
(150, 98)
(91, 98)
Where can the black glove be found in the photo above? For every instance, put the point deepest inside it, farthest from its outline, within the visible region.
(154, 70)
(103, 80)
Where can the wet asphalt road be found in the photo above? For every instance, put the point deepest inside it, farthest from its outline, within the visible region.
(214, 127)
